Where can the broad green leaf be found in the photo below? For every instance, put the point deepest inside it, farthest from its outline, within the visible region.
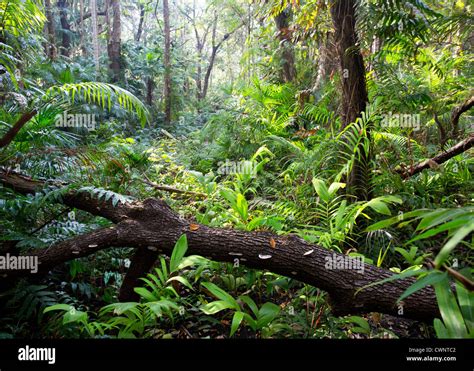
(396, 219)
(334, 187)
(440, 329)
(378, 206)
(441, 215)
(164, 268)
(466, 302)
(221, 294)
(266, 314)
(252, 305)
(364, 326)
(250, 321)
(179, 250)
(192, 260)
(452, 243)
(229, 195)
(75, 316)
(65, 307)
(236, 321)
(160, 306)
(145, 294)
(216, 306)
(321, 189)
(450, 311)
(242, 207)
(182, 280)
(442, 228)
(118, 308)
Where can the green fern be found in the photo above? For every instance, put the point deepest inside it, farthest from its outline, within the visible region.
(102, 94)
(106, 195)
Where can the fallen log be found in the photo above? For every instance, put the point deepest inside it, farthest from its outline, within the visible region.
(152, 227)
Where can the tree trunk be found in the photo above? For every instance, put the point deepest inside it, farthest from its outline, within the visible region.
(354, 90)
(50, 45)
(154, 226)
(326, 62)
(150, 84)
(114, 46)
(82, 47)
(288, 70)
(167, 62)
(457, 112)
(140, 23)
(65, 28)
(212, 58)
(207, 77)
(95, 36)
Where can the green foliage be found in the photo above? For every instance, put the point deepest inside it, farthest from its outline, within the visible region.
(107, 195)
(18, 19)
(456, 224)
(101, 94)
(259, 155)
(256, 318)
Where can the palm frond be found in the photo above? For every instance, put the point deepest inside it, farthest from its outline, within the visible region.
(101, 94)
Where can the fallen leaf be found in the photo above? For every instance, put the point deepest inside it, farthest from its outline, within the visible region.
(272, 243)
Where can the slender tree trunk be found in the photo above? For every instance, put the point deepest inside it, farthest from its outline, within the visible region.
(326, 62)
(95, 36)
(212, 59)
(66, 28)
(149, 90)
(140, 23)
(50, 45)
(288, 69)
(82, 47)
(199, 75)
(114, 46)
(247, 46)
(354, 90)
(167, 62)
(375, 47)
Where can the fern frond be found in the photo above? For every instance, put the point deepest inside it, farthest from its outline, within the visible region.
(101, 94)
(107, 195)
